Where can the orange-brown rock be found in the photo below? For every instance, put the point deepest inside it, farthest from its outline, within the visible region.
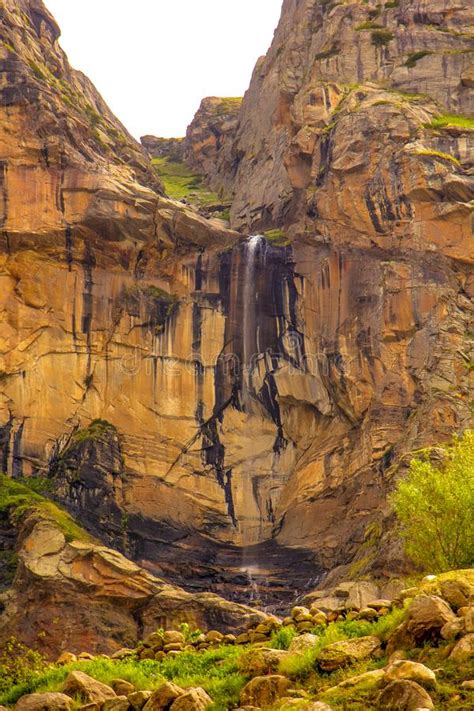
(126, 317)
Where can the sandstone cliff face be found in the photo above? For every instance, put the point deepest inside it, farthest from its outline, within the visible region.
(249, 403)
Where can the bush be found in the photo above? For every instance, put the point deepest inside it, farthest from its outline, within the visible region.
(435, 507)
(283, 638)
(18, 663)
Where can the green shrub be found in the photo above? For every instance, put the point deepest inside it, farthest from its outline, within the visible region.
(438, 154)
(381, 37)
(415, 57)
(18, 663)
(283, 637)
(435, 508)
(369, 25)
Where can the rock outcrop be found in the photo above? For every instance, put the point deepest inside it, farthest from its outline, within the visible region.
(254, 400)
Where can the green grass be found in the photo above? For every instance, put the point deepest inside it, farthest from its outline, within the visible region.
(18, 498)
(228, 104)
(283, 637)
(438, 154)
(180, 183)
(369, 25)
(216, 670)
(415, 57)
(452, 120)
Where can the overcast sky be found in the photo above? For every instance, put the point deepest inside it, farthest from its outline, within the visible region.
(154, 60)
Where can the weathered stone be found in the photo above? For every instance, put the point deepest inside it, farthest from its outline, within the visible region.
(44, 702)
(452, 630)
(339, 654)
(367, 681)
(66, 658)
(122, 687)
(195, 699)
(404, 695)
(123, 653)
(426, 616)
(456, 592)
(120, 703)
(412, 671)
(163, 697)
(79, 684)
(302, 643)
(264, 690)
(260, 661)
(138, 699)
(464, 649)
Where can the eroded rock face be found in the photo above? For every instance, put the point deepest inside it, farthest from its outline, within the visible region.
(79, 596)
(255, 397)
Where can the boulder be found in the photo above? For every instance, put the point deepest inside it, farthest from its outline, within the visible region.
(122, 687)
(261, 660)
(469, 620)
(193, 700)
(44, 702)
(66, 658)
(457, 593)
(469, 685)
(120, 703)
(302, 643)
(404, 695)
(452, 630)
(426, 616)
(163, 697)
(123, 653)
(138, 699)
(464, 649)
(79, 684)
(263, 691)
(413, 671)
(339, 654)
(368, 680)
(173, 637)
(380, 604)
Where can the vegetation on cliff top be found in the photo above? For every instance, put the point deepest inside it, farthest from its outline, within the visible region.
(181, 183)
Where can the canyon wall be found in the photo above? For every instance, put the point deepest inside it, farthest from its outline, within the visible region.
(222, 409)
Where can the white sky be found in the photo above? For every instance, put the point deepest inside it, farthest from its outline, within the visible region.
(154, 60)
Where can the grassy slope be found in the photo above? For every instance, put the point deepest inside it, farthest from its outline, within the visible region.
(180, 183)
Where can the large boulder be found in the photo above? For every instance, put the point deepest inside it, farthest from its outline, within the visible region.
(163, 697)
(120, 703)
(464, 649)
(192, 700)
(404, 695)
(413, 671)
(426, 616)
(261, 660)
(44, 702)
(264, 691)
(456, 592)
(88, 689)
(302, 643)
(340, 654)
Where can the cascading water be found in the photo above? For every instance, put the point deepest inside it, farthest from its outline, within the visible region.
(250, 305)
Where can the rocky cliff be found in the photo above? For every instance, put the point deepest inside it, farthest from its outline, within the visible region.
(229, 412)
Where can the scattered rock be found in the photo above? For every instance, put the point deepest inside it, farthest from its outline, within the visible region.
(413, 671)
(123, 653)
(66, 658)
(193, 700)
(469, 685)
(79, 684)
(44, 702)
(260, 661)
(368, 680)
(120, 703)
(302, 643)
(122, 687)
(464, 649)
(456, 592)
(163, 697)
(404, 695)
(452, 630)
(138, 699)
(426, 616)
(340, 654)
(264, 690)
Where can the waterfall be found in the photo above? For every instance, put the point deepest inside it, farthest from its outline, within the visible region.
(249, 326)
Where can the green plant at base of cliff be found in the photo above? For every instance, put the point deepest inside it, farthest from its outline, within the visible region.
(451, 120)
(18, 498)
(435, 508)
(438, 154)
(181, 183)
(380, 38)
(18, 663)
(415, 57)
(216, 670)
